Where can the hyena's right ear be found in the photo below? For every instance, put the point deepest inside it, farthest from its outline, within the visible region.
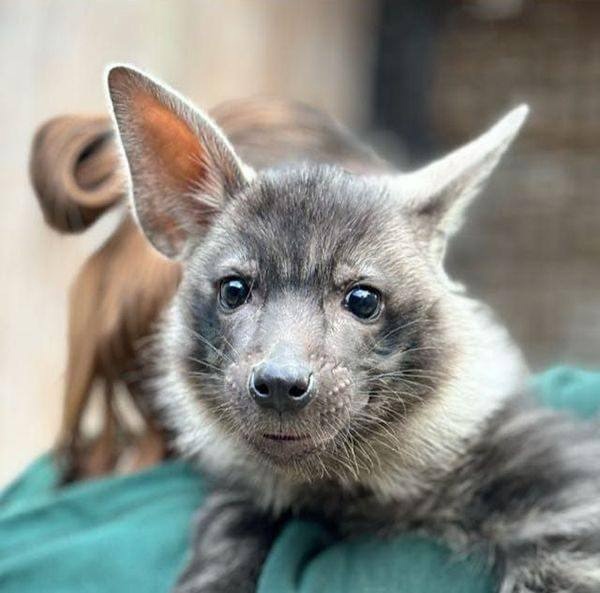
(182, 169)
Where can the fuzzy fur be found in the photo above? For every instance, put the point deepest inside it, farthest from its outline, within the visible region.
(420, 420)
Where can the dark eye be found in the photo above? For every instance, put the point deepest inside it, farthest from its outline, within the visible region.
(362, 301)
(233, 293)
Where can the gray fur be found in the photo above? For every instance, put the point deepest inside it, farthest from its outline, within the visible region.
(420, 419)
(231, 541)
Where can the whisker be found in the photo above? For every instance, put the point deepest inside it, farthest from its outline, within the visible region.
(207, 364)
(218, 352)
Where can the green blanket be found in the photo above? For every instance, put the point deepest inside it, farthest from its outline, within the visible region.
(130, 534)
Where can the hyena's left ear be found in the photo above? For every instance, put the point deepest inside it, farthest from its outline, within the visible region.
(182, 169)
(437, 195)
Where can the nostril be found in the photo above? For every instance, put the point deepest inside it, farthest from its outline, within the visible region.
(262, 388)
(300, 388)
(258, 385)
(297, 391)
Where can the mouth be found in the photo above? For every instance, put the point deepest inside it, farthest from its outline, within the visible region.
(281, 447)
(282, 437)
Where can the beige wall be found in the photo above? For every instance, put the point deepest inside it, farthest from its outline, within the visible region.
(52, 55)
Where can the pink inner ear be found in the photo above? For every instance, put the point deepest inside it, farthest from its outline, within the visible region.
(176, 146)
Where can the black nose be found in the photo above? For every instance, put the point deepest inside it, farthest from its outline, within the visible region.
(282, 385)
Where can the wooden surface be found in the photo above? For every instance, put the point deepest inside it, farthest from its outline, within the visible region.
(532, 245)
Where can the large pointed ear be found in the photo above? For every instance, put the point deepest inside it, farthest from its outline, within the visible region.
(182, 169)
(437, 195)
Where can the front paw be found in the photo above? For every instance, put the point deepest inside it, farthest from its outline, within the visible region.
(213, 583)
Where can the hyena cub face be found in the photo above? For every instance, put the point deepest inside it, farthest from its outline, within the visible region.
(307, 318)
(308, 321)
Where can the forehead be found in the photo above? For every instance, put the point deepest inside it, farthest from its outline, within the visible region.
(306, 224)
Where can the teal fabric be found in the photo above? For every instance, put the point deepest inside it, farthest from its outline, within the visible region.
(131, 533)
(113, 535)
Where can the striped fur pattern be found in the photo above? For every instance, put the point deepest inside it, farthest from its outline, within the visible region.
(419, 419)
(232, 538)
(525, 495)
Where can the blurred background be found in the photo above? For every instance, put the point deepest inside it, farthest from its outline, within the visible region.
(414, 78)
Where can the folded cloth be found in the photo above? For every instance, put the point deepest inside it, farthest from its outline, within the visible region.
(131, 533)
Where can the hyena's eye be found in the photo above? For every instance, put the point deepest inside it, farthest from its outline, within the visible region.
(363, 301)
(233, 293)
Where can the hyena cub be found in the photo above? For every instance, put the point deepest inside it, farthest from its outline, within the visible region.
(317, 359)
